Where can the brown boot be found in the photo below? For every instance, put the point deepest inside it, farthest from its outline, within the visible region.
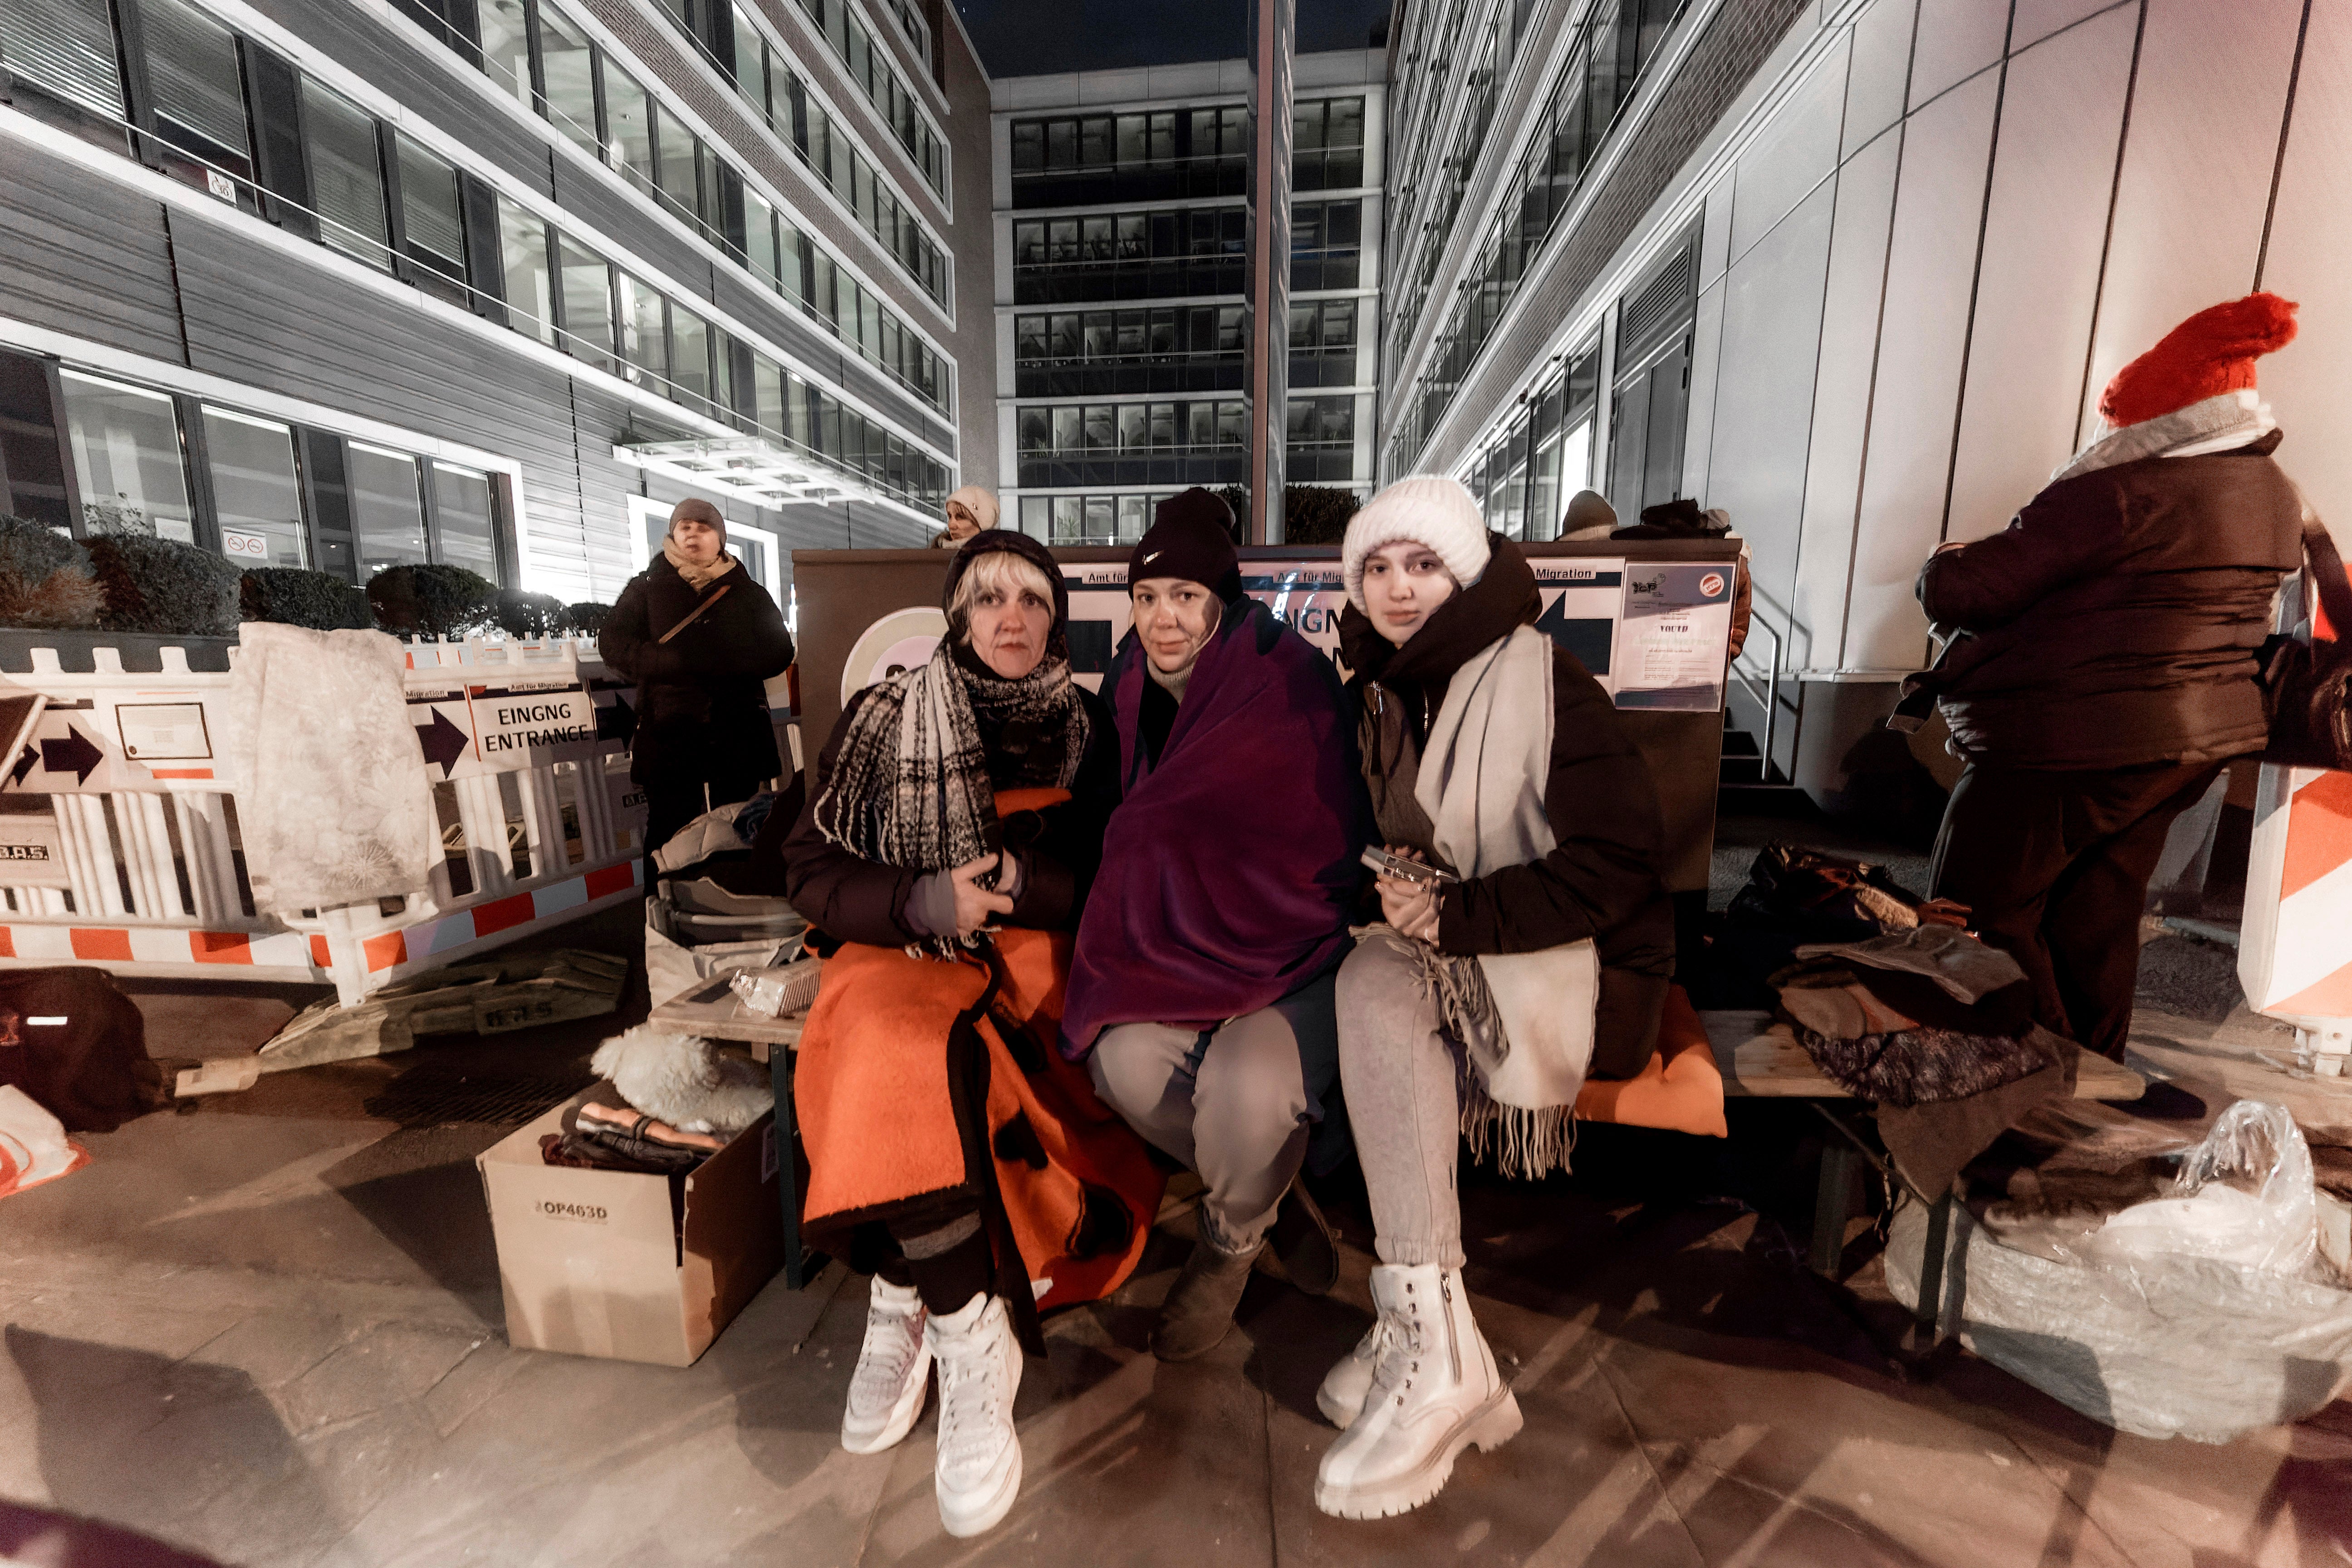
(1200, 1305)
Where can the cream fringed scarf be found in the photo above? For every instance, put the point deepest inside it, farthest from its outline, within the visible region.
(697, 577)
(1525, 1020)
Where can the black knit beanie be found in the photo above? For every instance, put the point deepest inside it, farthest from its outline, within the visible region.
(1191, 537)
(1029, 550)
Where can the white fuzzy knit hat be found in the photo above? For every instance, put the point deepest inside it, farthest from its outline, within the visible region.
(1428, 509)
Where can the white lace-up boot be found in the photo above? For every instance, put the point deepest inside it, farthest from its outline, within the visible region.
(1342, 1397)
(980, 1453)
(1435, 1390)
(894, 1371)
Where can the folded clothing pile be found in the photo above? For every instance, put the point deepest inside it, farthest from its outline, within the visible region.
(1795, 896)
(622, 1138)
(1933, 1026)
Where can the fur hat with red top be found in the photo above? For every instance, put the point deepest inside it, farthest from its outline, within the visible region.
(2211, 353)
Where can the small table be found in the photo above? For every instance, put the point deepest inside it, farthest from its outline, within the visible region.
(714, 1012)
(1763, 1061)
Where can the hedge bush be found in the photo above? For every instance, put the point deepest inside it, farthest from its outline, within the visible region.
(432, 601)
(44, 578)
(154, 585)
(1311, 514)
(521, 615)
(294, 597)
(586, 618)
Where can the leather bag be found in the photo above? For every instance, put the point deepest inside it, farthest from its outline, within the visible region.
(2307, 686)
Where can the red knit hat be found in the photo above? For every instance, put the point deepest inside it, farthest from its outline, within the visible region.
(2212, 352)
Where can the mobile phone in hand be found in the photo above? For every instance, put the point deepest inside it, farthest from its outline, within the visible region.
(1397, 865)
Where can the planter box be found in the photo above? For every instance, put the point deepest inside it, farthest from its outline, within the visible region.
(143, 652)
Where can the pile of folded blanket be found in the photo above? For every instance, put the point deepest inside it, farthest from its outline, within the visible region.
(622, 1138)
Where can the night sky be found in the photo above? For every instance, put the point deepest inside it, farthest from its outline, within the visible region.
(1024, 38)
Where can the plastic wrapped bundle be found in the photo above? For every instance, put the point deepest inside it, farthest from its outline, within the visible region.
(2203, 1314)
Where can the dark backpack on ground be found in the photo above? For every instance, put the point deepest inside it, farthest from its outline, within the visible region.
(2306, 686)
(73, 1041)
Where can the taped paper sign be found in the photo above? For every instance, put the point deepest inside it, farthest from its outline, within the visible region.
(1675, 642)
(472, 730)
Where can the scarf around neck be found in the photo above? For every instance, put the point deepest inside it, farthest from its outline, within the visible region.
(697, 577)
(2219, 424)
(914, 784)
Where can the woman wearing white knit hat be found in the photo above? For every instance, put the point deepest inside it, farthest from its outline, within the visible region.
(1541, 952)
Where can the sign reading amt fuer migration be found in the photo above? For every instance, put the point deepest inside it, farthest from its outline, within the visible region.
(469, 729)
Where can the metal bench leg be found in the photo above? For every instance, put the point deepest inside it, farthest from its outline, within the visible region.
(788, 1169)
(1833, 1206)
(1928, 1313)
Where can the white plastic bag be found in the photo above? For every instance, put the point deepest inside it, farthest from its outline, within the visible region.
(2244, 1196)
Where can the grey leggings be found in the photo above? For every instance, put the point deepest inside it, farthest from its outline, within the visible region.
(1398, 1069)
(1236, 1103)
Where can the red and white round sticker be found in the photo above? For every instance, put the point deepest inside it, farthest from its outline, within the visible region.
(1711, 585)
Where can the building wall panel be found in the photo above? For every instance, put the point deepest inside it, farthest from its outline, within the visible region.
(2054, 171)
(84, 255)
(1794, 154)
(1956, 38)
(1881, 72)
(1939, 207)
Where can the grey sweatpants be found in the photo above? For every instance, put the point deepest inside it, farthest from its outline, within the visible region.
(1236, 1103)
(1398, 1070)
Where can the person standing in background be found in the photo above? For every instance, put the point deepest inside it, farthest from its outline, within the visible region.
(702, 639)
(2100, 665)
(969, 511)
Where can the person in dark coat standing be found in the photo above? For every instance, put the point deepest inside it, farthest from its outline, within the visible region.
(702, 639)
(2103, 669)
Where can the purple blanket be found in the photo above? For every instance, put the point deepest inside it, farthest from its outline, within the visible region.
(1230, 869)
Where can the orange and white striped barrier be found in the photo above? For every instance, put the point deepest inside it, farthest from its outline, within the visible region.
(2294, 953)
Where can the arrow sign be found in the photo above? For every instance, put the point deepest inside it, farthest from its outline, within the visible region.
(74, 755)
(27, 761)
(443, 742)
(1589, 640)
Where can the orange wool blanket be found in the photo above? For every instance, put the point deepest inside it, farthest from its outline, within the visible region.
(918, 1083)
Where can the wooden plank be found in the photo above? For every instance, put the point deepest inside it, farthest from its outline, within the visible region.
(713, 1011)
(1761, 1059)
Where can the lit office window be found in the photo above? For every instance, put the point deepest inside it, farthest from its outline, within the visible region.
(587, 304)
(629, 123)
(569, 65)
(255, 492)
(346, 175)
(126, 447)
(432, 214)
(464, 519)
(645, 339)
(199, 91)
(531, 290)
(387, 511)
(65, 48)
(506, 46)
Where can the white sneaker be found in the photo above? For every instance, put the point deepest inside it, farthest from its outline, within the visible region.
(1342, 1397)
(894, 1371)
(1435, 1390)
(980, 1453)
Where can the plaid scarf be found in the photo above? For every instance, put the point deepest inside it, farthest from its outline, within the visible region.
(914, 784)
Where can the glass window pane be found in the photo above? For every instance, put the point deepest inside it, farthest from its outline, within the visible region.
(429, 210)
(199, 91)
(523, 245)
(346, 175)
(565, 60)
(645, 342)
(587, 304)
(681, 154)
(126, 447)
(464, 518)
(751, 64)
(626, 118)
(66, 46)
(760, 237)
(387, 513)
(506, 46)
(255, 490)
(1028, 146)
(689, 356)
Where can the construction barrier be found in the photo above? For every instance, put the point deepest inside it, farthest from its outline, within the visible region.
(2295, 953)
(120, 845)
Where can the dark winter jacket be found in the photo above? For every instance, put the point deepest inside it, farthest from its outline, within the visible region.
(2115, 621)
(1603, 878)
(702, 706)
(852, 898)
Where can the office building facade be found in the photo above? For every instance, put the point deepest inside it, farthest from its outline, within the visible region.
(1121, 253)
(1855, 272)
(491, 282)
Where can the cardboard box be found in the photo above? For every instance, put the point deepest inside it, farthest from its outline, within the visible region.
(593, 1262)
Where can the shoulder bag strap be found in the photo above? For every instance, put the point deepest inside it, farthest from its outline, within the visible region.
(2326, 570)
(696, 613)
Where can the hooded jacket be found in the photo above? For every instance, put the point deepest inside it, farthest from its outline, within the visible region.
(2114, 621)
(702, 703)
(1602, 879)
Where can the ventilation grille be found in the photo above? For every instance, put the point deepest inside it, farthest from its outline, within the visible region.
(432, 1096)
(1662, 307)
